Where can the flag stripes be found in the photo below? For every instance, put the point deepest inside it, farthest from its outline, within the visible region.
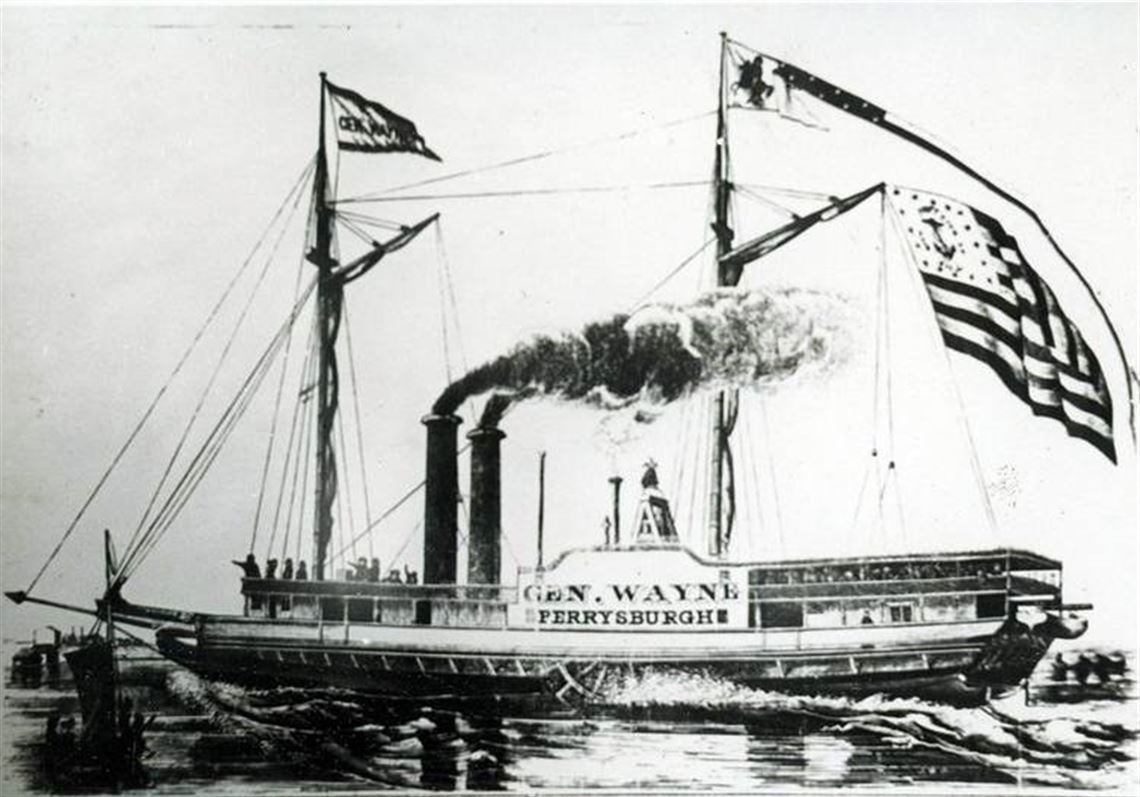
(992, 306)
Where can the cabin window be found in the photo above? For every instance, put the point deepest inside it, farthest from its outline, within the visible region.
(360, 610)
(423, 612)
(823, 614)
(901, 612)
(332, 610)
(991, 606)
(781, 615)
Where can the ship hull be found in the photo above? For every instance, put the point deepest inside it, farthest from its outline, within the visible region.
(962, 663)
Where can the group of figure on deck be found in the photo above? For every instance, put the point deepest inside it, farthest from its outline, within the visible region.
(360, 570)
(250, 569)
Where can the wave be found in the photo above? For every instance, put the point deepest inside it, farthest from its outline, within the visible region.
(408, 745)
(1076, 752)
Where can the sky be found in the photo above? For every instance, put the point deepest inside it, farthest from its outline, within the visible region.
(144, 150)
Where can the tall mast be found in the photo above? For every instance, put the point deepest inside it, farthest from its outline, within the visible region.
(722, 189)
(329, 296)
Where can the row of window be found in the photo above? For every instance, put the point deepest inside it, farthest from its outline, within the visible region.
(792, 614)
(823, 574)
(333, 609)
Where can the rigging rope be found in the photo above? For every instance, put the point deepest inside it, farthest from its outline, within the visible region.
(892, 466)
(173, 374)
(355, 229)
(311, 418)
(214, 374)
(449, 285)
(769, 203)
(512, 192)
(758, 502)
(407, 540)
(443, 321)
(772, 476)
(292, 456)
(674, 272)
(201, 462)
(347, 491)
(881, 332)
(531, 158)
(935, 334)
(359, 428)
(370, 221)
(794, 193)
(273, 422)
(399, 503)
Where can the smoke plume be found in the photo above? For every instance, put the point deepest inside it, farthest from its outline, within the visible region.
(663, 352)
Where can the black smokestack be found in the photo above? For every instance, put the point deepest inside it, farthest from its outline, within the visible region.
(483, 540)
(441, 498)
(665, 351)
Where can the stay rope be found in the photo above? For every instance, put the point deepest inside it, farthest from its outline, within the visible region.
(936, 337)
(517, 192)
(293, 455)
(276, 413)
(206, 390)
(209, 450)
(301, 179)
(359, 428)
(537, 156)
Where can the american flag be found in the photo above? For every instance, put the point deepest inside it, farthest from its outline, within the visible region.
(991, 305)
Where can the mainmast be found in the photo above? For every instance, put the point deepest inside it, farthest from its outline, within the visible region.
(726, 275)
(330, 292)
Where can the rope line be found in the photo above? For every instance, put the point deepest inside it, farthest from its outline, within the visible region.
(513, 192)
(162, 390)
(347, 491)
(359, 427)
(276, 413)
(674, 272)
(196, 412)
(292, 455)
(186, 485)
(933, 332)
(537, 156)
(306, 458)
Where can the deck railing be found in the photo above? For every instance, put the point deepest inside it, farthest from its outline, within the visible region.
(364, 602)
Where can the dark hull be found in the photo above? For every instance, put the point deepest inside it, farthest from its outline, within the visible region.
(989, 666)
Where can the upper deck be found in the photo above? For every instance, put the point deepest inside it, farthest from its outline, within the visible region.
(671, 588)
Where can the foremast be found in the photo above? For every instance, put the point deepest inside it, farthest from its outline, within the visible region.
(330, 296)
(361, 126)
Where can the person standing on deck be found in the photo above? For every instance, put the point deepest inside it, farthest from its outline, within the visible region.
(249, 566)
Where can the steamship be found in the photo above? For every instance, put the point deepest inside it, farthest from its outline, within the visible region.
(958, 626)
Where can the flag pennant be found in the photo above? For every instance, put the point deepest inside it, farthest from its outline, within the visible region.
(991, 305)
(366, 126)
(765, 84)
